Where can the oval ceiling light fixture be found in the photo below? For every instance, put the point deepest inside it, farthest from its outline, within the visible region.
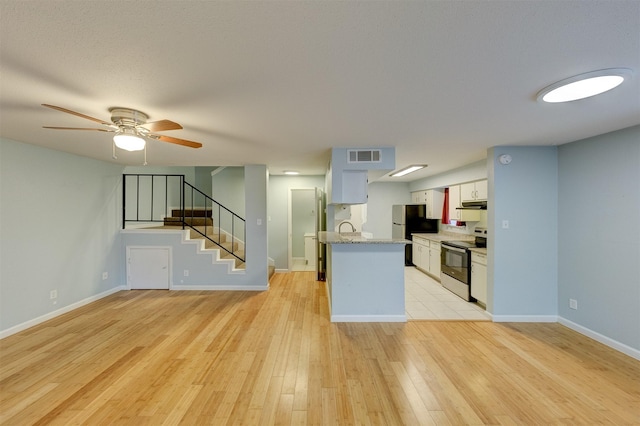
(291, 172)
(584, 85)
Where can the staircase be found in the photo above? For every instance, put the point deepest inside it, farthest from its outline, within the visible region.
(192, 217)
(202, 222)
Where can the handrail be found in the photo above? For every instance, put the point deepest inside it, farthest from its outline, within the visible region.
(178, 192)
(232, 219)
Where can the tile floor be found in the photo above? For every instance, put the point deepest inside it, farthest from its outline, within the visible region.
(426, 299)
(300, 265)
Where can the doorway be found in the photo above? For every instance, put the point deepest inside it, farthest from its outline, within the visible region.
(302, 229)
(148, 268)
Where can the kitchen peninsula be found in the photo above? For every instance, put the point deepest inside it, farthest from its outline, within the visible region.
(365, 277)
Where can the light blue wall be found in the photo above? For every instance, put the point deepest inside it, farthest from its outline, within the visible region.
(523, 259)
(203, 179)
(599, 234)
(189, 172)
(383, 195)
(60, 218)
(278, 213)
(228, 189)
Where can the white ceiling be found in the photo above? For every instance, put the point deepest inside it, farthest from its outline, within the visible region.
(280, 83)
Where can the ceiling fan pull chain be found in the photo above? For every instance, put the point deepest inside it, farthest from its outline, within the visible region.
(113, 147)
(145, 154)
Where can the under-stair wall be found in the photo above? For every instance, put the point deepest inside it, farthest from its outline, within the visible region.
(206, 270)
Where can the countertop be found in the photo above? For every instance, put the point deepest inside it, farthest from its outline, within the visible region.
(329, 237)
(446, 236)
(450, 236)
(479, 250)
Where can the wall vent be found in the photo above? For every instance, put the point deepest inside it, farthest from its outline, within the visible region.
(364, 156)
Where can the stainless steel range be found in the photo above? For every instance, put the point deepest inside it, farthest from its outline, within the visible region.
(455, 272)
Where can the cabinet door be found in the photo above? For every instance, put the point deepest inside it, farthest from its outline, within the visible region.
(434, 200)
(434, 260)
(474, 191)
(482, 190)
(354, 187)
(454, 202)
(479, 282)
(415, 249)
(421, 253)
(419, 197)
(467, 191)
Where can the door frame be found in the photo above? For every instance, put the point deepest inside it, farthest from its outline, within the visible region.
(169, 265)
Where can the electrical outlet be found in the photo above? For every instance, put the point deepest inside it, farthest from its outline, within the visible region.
(105, 275)
(573, 304)
(53, 294)
(186, 273)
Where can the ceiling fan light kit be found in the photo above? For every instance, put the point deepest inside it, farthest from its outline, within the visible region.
(130, 127)
(129, 140)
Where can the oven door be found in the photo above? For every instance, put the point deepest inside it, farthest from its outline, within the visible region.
(455, 263)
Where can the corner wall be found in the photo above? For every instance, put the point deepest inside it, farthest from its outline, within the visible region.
(523, 262)
(60, 216)
(599, 235)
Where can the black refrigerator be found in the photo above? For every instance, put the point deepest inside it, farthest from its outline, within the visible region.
(411, 219)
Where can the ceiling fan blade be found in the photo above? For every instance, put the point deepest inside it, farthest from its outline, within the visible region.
(177, 141)
(68, 111)
(161, 125)
(77, 128)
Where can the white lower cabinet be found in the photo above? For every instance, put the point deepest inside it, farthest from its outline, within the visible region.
(479, 277)
(426, 256)
(421, 253)
(434, 259)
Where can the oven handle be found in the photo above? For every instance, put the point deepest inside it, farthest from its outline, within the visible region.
(459, 250)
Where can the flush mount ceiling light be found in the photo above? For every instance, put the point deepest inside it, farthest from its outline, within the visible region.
(584, 85)
(128, 139)
(291, 172)
(408, 170)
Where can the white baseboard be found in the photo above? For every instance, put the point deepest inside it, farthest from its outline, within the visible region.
(368, 318)
(614, 344)
(524, 318)
(46, 317)
(215, 287)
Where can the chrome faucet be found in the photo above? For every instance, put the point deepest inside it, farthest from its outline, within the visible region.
(353, 228)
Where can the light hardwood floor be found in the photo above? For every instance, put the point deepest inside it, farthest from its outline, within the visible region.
(160, 357)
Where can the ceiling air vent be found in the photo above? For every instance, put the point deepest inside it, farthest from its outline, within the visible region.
(363, 156)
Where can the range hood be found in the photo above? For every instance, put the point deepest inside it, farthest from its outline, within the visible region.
(473, 205)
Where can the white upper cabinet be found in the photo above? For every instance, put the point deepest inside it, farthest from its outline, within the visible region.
(474, 191)
(435, 203)
(419, 197)
(454, 202)
(433, 198)
(348, 172)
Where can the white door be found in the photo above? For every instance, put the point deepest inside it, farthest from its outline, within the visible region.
(148, 267)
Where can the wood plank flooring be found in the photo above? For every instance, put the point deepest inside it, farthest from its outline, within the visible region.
(245, 358)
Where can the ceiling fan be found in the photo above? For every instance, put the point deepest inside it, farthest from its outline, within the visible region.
(130, 127)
